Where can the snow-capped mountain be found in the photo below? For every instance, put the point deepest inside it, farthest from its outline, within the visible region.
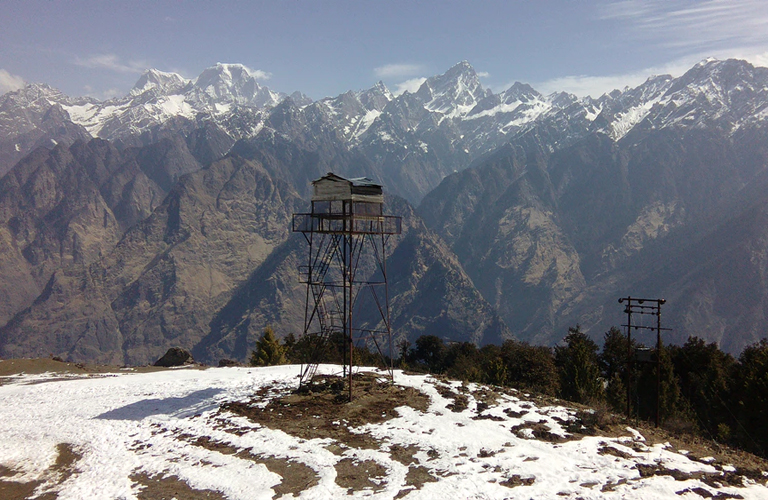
(224, 85)
(33, 117)
(596, 196)
(453, 93)
(161, 82)
(416, 138)
(544, 203)
(158, 97)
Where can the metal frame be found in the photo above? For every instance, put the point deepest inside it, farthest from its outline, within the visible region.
(638, 306)
(339, 233)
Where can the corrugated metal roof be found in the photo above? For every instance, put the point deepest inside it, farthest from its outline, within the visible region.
(356, 181)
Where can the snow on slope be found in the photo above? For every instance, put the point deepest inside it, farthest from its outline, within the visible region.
(159, 96)
(150, 423)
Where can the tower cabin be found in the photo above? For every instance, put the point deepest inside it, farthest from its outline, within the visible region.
(341, 205)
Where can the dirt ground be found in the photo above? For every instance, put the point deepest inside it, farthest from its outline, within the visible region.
(323, 410)
(64, 466)
(170, 487)
(11, 367)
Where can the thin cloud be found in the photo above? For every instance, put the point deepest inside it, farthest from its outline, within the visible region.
(398, 70)
(411, 85)
(683, 25)
(255, 73)
(760, 59)
(259, 74)
(111, 62)
(103, 95)
(595, 86)
(483, 74)
(9, 82)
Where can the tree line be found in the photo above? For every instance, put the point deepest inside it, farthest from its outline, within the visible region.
(702, 389)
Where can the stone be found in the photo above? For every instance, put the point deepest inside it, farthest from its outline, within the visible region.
(175, 356)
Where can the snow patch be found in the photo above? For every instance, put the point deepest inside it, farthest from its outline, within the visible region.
(626, 120)
(124, 422)
(501, 108)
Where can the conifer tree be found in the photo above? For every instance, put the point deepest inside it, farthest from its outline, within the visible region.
(268, 350)
(613, 364)
(530, 367)
(752, 385)
(577, 362)
(705, 375)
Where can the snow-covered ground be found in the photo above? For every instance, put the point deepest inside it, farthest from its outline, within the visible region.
(125, 424)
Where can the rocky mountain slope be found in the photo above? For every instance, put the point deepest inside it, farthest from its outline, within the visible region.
(535, 212)
(207, 267)
(553, 236)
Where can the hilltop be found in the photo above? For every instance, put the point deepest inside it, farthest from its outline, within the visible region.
(242, 433)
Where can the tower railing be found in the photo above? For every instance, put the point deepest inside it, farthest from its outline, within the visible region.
(346, 223)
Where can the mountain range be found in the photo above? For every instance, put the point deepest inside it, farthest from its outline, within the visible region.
(162, 217)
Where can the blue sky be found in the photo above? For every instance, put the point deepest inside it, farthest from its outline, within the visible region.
(327, 47)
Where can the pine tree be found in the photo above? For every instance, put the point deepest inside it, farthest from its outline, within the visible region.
(530, 367)
(613, 364)
(671, 402)
(577, 362)
(268, 350)
(705, 375)
(430, 350)
(752, 383)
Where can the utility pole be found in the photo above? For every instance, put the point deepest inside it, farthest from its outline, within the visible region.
(643, 307)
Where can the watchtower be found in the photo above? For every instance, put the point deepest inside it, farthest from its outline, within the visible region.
(347, 226)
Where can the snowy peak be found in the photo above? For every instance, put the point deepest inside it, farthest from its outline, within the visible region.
(519, 92)
(233, 83)
(621, 111)
(300, 99)
(225, 76)
(521, 102)
(376, 97)
(717, 78)
(164, 83)
(728, 93)
(32, 94)
(455, 92)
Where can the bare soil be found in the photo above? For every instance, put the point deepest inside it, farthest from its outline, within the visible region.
(296, 477)
(60, 471)
(360, 475)
(323, 410)
(12, 367)
(460, 401)
(160, 487)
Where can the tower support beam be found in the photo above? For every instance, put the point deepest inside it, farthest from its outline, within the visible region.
(346, 228)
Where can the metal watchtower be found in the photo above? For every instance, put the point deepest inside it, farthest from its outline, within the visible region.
(347, 224)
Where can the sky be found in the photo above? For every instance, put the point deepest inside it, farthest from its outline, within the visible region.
(324, 48)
